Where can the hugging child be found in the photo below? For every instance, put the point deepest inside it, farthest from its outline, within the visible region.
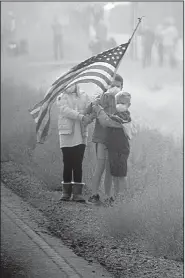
(117, 140)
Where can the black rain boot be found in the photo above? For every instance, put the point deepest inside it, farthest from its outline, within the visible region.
(77, 192)
(66, 191)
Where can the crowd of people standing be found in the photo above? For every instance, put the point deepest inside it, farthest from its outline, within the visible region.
(164, 38)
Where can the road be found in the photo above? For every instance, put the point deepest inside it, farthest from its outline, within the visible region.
(28, 259)
(28, 250)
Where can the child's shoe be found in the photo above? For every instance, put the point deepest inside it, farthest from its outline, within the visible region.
(94, 200)
(109, 201)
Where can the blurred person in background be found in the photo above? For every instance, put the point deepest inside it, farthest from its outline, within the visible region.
(8, 31)
(95, 46)
(99, 31)
(97, 14)
(148, 39)
(102, 36)
(100, 41)
(159, 43)
(170, 39)
(107, 101)
(57, 38)
(72, 126)
(11, 25)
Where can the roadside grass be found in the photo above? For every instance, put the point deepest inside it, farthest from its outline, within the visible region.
(152, 209)
(153, 204)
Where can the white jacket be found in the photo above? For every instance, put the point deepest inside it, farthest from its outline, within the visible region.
(71, 109)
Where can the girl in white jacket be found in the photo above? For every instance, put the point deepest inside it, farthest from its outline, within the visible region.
(72, 126)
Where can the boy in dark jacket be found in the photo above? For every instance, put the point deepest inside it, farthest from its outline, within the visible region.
(117, 140)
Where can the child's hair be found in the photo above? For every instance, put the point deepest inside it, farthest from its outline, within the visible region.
(119, 79)
(123, 98)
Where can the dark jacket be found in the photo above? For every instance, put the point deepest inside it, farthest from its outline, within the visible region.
(116, 139)
(108, 103)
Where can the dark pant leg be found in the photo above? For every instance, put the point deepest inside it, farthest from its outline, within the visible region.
(67, 160)
(78, 155)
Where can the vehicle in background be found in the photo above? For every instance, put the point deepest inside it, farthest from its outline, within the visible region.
(16, 48)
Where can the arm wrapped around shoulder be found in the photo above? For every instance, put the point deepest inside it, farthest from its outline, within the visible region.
(104, 119)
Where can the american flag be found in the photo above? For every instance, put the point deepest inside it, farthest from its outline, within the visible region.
(98, 69)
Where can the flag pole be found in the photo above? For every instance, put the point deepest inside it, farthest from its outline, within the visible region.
(139, 21)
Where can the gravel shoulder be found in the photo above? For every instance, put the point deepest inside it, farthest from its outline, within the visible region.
(83, 229)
